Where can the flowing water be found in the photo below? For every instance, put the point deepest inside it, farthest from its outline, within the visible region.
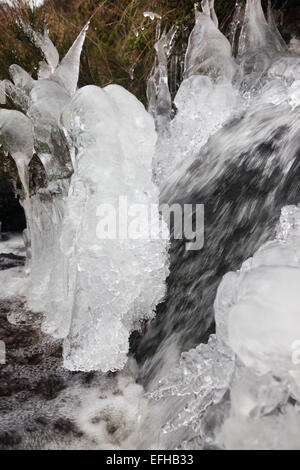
(218, 366)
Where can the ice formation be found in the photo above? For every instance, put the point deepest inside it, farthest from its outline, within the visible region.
(102, 121)
(259, 312)
(236, 110)
(241, 390)
(95, 146)
(206, 97)
(151, 15)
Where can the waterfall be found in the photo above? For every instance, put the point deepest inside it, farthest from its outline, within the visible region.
(217, 357)
(233, 146)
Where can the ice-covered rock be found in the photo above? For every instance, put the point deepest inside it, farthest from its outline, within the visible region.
(67, 72)
(205, 100)
(158, 93)
(260, 44)
(112, 284)
(257, 34)
(262, 301)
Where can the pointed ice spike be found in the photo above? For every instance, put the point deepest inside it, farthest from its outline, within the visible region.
(236, 26)
(208, 52)
(213, 12)
(44, 43)
(21, 78)
(205, 7)
(67, 72)
(159, 98)
(272, 24)
(49, 50)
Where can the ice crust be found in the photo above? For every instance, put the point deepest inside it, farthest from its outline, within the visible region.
(206, 97)
(241, 390)
(95, 146)
(260, 305)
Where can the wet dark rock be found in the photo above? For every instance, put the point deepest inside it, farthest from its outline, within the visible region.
(10, 260)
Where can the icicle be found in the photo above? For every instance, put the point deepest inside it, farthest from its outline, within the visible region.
(236, 26)
(16, 136)
(257, 33)
(131, 72)
(159, 97)
(66, 73)
(173, 74)
(68, 70)
(44, 43)
(260, 45)
(205, 8)
(208, 8)
(208, 52)
(164, 102)
(152, 90)
(47, 100)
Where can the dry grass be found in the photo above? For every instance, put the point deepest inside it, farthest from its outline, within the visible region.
(112, 47)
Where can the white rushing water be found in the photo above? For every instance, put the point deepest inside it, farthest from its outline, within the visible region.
(230, 139)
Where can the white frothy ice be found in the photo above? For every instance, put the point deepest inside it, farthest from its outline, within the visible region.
(96, 145)
(124, 279)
